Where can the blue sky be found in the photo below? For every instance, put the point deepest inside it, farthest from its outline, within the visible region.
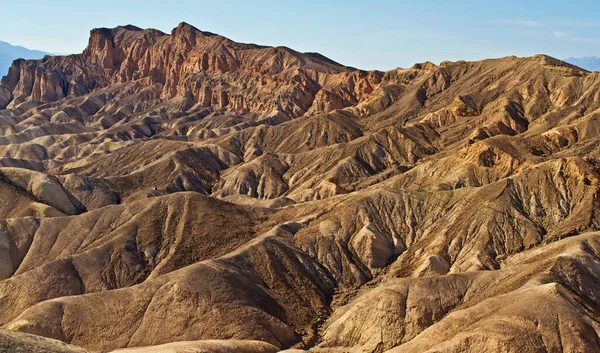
(374, 35)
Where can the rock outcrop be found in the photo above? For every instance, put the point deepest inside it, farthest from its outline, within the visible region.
(196, 68)
(186, 193)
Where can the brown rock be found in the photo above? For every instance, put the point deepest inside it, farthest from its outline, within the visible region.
(184, 192)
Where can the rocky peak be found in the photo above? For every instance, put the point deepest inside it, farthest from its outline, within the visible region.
(557, 64)
(118, 36)
(103, 49)
(427, 66)
(186, 32)
(201, 68)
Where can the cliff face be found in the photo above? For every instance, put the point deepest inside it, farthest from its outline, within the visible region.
(185, 192)
(202, 69)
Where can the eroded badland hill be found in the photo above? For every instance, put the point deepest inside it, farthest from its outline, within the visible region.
(194, 194)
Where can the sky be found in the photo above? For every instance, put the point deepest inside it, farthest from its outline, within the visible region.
(369, 35)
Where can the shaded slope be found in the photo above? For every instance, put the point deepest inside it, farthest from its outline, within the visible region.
(162, 182)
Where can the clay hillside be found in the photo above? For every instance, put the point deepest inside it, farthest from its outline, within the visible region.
(186, 193)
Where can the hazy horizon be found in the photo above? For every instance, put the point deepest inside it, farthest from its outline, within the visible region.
(382, 36)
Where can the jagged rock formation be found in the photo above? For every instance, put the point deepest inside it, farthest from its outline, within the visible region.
(187, 193)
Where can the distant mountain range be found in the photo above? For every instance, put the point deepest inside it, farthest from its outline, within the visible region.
(591, 63)
(9, 52)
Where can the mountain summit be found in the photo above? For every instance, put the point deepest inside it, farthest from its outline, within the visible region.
(197, 68)
(184, 192)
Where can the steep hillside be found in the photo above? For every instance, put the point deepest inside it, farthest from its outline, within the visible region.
(186, 193)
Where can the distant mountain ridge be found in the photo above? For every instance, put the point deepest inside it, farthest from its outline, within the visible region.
(590, 63)
(9, 53)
